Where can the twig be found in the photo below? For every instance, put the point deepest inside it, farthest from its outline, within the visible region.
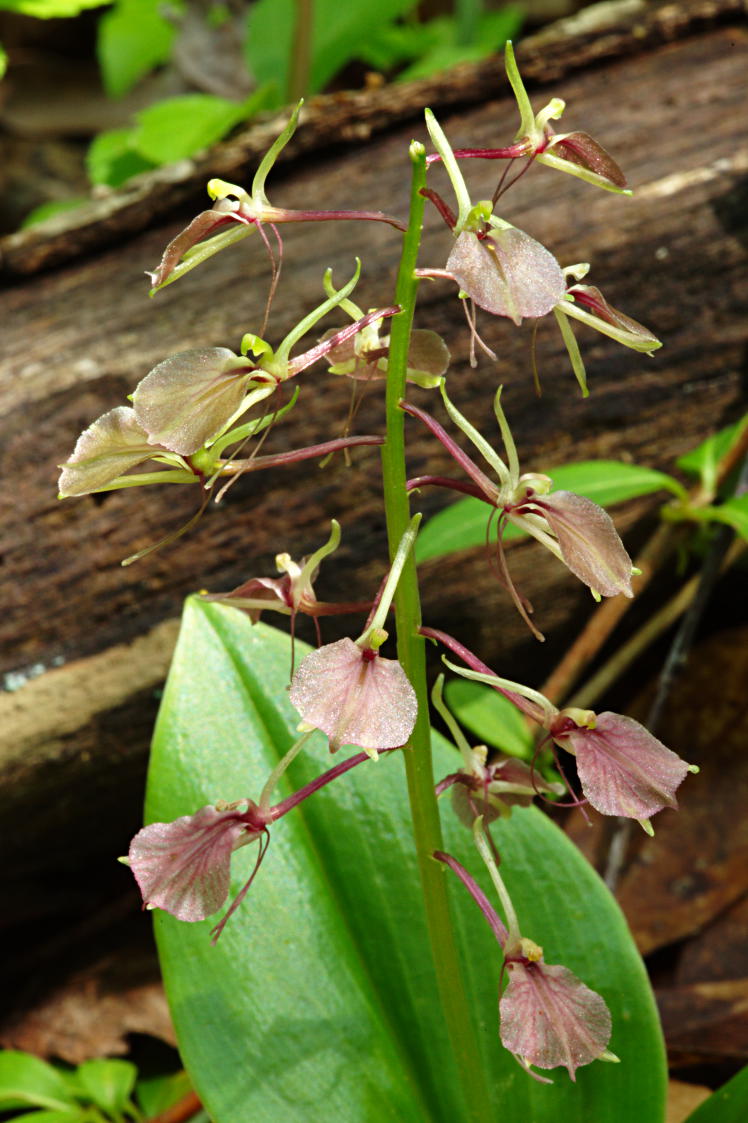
(181, 1111)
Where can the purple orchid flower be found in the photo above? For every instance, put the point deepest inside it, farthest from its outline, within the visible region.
(488, 790)
(576, 530)
(548, 1018)
(184, 867)
(349, 691)
(237, 213)
(576, 153)
(623, 769)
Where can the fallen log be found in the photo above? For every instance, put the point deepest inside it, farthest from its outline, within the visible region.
(91, 641)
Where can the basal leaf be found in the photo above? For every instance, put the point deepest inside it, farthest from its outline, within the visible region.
(155, 1093)
(463, 524)
(734, 512)
(319, 999)
(112, 159)
(337, 35)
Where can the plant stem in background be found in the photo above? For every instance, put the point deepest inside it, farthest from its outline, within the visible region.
(411, 653)
(301, 51)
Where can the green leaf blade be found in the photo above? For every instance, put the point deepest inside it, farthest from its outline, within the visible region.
(133, 38)
(319, 1000)
(27, 1081)
(108, 1082)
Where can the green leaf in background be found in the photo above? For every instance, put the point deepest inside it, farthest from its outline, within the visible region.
(338, 33)
(77, 1114)
(703, 460)
(319, 1000)
(463, 524)
(490, 717)
(108, 1083)
(728, 1104)
(112, 159)
(50, 9)
(133, 38)
(27, 1081)
(52, 208)
(3, 61)
(493, 30)
(155, 1094)
(734, 512)
(180, 126)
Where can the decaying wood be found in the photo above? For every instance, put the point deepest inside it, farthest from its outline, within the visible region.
(595, 35)
(77, 339)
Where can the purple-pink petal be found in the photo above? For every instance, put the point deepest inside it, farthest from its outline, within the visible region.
(624, 769)
(184, 867)
(550, 1018)
(355, 696)
(589, 542)
(507, 273)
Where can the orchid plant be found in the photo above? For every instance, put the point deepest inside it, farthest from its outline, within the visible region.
(201, 417)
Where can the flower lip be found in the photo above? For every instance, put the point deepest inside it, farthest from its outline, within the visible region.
(623, 769)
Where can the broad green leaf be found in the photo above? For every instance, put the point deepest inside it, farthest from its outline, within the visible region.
(338, 32)
(154, 1094)
(112, 159)
(463, 524)
(734, 512)
(180, 126)
(133, 38)
(728, 1104)
(3, 61)
(107, 1082)
(703, 460)
(319, 1000)
(50, 9)
(27, 1081)
(489, 717)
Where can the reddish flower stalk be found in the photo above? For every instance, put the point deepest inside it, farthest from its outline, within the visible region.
(183, 867)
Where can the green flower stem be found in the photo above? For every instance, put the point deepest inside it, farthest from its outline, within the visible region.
(412, 656)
